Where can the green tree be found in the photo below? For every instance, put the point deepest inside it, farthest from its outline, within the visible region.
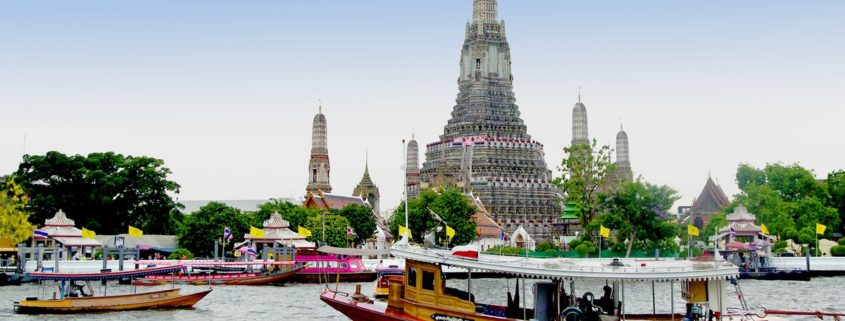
(104, 192)
(335, 229)
(295, 214)
(361, 219)
(788, 199)
(584, 171)
(451, 205)
(639, 211)
(203, 227)
(836, 190)
(13, 216)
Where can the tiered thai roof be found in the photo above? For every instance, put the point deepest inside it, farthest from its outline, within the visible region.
(325, 201)
(61, 229)
(485, 226)
(711, 200)
(277, 229)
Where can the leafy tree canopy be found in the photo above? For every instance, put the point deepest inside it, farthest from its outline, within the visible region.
(361, 219)
(335, 229)
(584, 171)
(13, 217)
(789, 200)
(104, 192)
(295, 214)
(203, 227)
(451, 205)
(639, 211)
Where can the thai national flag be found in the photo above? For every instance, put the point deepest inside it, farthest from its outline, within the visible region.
(227, 233)
(349, 231)
(39, 234)
(252, 252)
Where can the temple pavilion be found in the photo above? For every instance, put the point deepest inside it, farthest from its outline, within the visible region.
(276, 230)
(742, 239)
(63, 233)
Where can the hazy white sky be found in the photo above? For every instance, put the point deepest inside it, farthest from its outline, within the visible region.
(225, 92)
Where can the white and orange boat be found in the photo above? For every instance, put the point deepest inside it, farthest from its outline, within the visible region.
(422, 294)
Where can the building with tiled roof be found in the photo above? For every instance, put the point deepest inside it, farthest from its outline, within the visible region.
(711, 201)
(62, 232)
(326, 201)
(277, 229)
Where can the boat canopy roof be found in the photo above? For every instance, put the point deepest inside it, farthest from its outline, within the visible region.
(565, 268)
(350, 251)
(104, 275)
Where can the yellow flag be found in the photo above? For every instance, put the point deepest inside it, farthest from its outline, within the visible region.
(820, 228)
(89, 234)
(304, 232)
(692, 230)
(450, 232)
(136, 232)
(256, 232)
(604, 232)
(402, 231)
(764, 229)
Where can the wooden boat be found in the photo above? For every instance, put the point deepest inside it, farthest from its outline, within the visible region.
(70, 301)
(422, 294)
(167, 299)
(219, 279)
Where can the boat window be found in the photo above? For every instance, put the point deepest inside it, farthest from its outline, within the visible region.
(412, 277)
(428, 280)
(354, 266)
(344, 265)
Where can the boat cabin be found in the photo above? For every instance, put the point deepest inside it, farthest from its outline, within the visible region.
(422, 293)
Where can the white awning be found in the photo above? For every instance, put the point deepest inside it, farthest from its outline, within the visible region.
(563, 268)
(78, 241)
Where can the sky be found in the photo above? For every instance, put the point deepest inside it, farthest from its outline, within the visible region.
(225, 92)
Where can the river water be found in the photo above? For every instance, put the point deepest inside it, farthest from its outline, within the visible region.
(301, 301)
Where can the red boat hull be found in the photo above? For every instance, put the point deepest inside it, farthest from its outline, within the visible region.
(356, 312)
(217, 280)
(357, 277)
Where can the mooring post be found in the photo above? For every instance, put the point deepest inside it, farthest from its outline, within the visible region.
(216, 248)
(56, 257)
(120, 258)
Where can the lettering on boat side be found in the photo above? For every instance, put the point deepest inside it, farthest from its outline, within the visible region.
(443, 317)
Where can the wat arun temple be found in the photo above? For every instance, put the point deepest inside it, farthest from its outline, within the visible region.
(485, 148)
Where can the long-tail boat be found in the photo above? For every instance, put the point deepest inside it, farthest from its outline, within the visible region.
(256, 278)
(73, 299)
(422, 293)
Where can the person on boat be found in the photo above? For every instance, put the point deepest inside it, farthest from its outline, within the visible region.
(606, 300)
(74, 290)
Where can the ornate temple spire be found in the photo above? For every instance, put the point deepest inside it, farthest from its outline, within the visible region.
(318, 166)
(412, 171)
(484, 11)
(485, 146)
(580, 133)
(623, 163)
(366, 189)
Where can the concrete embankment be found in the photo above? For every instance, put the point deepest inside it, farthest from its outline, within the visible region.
(819, 266)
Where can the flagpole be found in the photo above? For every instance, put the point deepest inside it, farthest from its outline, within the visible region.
(600, 237)
(405, 190)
